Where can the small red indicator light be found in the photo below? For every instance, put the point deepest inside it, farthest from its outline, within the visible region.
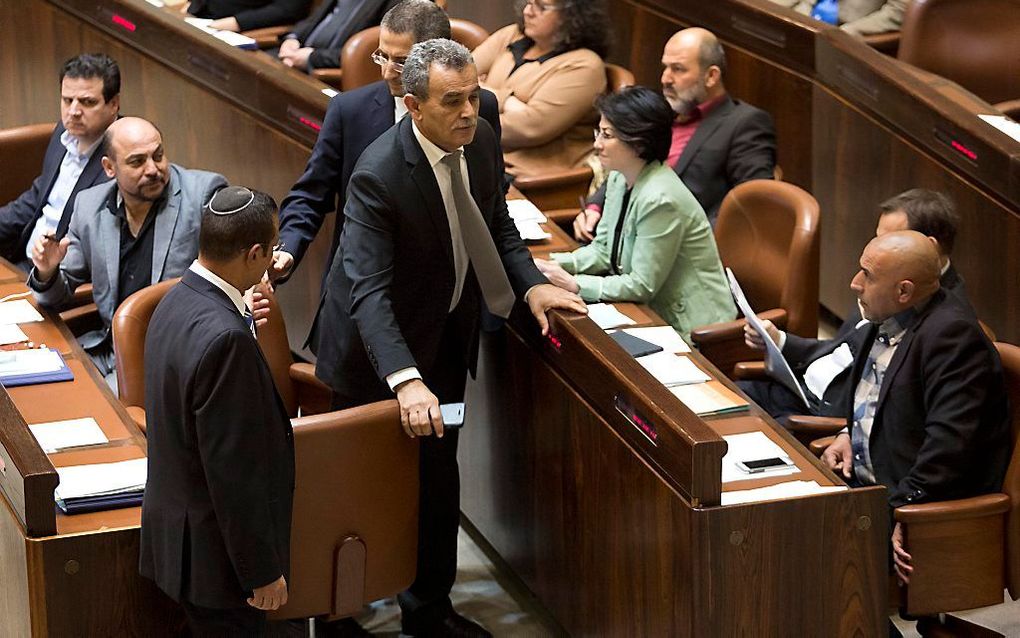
(556, 343)
(963, 150)
(310, 123)
(123, 23)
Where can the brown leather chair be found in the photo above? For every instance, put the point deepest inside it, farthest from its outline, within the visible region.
(355, 532)
(964, 552)
(887, 43)
(21, 157)
(767, 232)
(974, 43)
(557, 193)
(129, 327)
(468, 33)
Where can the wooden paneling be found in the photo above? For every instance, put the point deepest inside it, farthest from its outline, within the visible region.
(15, 619)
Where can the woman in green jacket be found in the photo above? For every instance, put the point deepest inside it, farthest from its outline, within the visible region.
(654, 244)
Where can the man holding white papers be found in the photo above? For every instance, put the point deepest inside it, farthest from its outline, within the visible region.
(823, 366)
(218, 503)
(927, 413)
(135, 231)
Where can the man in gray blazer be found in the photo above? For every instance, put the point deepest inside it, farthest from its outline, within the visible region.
(136, 230)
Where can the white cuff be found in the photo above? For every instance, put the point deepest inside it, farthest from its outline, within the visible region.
(782, 340)
(402, 376)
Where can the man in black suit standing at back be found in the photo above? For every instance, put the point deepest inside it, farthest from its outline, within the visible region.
(354, 120)
(217, 510)
(426, 242)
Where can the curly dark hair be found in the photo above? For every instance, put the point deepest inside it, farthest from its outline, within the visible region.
(584, 25)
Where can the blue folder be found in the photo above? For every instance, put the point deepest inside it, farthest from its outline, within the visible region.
(15, 380)
(85, 504)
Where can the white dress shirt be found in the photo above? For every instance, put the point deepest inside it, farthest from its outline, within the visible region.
(71, 168)
(399, 108)
(235, 295)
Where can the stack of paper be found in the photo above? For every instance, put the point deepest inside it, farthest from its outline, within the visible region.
(749, 447)
(523, 210)
(709, 398)
(789, 489)
(59, 435)
(10, 333)
(18, 311)
(672, 370)
(28, 367)
(606, 316)
(531, 231)
(99, 486)
(233, 39)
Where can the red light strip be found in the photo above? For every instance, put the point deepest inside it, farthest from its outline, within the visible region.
(123, 22)
(963, 150)
(312, 124)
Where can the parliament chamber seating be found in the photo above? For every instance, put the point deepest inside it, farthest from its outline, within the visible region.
(768, 235)
(21, 156)
(355, 532)
(557, 192)
(965, 552)
(975, 43)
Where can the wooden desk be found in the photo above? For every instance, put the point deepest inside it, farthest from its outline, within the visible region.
(616, 523)
(69, 575)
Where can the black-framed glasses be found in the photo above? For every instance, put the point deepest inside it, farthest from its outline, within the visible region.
(382, 59)
(605, 136)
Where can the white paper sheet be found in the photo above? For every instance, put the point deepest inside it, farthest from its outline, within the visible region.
(100, 479)
(36, 360)
(789, 489)
(11, 333)
(531, 231)
(58, 435)
(670, 369)
(233, 39)
(606, 316)
(18, 311)
(664, 336)
(749, 447)
(524, 210)
(1004, 124)
(775, 363)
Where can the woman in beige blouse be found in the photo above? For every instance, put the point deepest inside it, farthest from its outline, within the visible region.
(546, 72)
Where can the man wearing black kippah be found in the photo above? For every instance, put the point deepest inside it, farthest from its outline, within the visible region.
(217, 510)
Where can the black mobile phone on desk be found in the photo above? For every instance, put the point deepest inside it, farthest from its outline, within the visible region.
(763, 465)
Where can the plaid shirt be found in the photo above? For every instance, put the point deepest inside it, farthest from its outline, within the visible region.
(890, 333)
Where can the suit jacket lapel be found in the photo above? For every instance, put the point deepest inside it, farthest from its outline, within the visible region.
(382, 116)
(858, 368)
(109, 239)
(425, 178)
(89, 176)
(702, 133)
(164, 224)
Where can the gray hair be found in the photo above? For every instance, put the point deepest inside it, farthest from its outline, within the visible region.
(423, 19)
(711, 53)
(445, 53)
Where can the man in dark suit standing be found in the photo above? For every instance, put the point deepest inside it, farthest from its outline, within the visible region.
(217, 510)
(426, 242)
(927, 411)
(89, 103)
(354, 120)
(718, 142)
(316, 41)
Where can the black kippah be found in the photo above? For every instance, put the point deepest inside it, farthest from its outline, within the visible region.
(230, 200)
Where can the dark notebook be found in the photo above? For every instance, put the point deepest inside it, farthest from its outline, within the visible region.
(634, 346)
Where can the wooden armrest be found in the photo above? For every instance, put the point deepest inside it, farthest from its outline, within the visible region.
(268, 37)
(137, 415)
(958, 510)
(331, 77)
(314, 396)
(1010, 108)
(808, 428)
(729, 330)
(82, 295)
(888, 43)
(559, 189)
(750, 371)
(818, 445)
(562, 216)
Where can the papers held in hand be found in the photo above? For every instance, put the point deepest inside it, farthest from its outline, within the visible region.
(775, 363)
(101, 486)
(30, 367)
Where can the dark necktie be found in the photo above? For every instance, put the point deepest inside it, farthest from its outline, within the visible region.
(249, 320)
(492, 279)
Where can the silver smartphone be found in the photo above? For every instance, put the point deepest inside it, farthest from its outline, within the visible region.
(763, 465)
(453, 414)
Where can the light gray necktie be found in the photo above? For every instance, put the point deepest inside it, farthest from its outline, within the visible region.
(496, 290)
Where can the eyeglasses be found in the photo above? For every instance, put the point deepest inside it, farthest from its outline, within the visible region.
(605, 136)
(382, 59)
(541, 7)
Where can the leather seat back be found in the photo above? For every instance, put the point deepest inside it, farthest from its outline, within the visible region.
(617, 77)
(22, 149)
(1010, 355)
(468, 33)
(975, 43)
(767, 233)
(356, 60)
(130, 325)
